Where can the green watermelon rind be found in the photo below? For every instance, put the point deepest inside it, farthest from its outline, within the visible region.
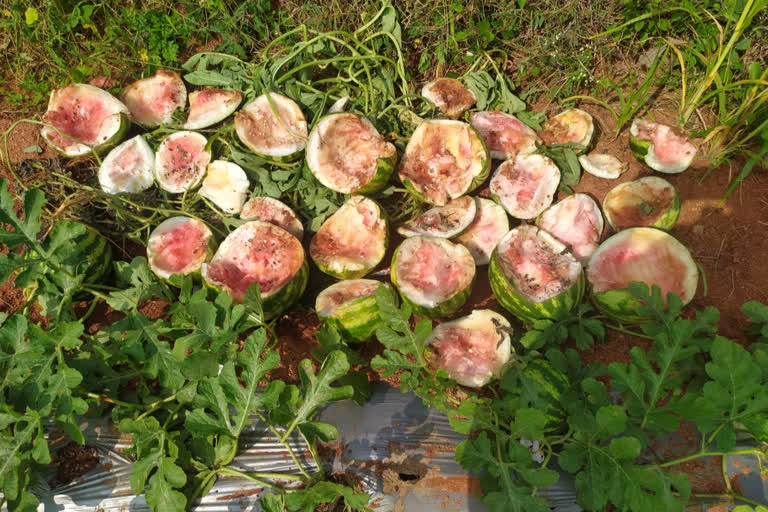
(547, 378)
(525, 309)
(476, 181)
(384, 169)
(446, 307)
(356, 320)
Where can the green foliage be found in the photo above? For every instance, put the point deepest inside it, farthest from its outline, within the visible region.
(579, 325)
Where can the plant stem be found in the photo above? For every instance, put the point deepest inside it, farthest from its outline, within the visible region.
(698, 455)
(247, 476)
(111, 400)
(155, 406)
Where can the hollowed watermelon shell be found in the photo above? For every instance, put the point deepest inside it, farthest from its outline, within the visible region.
(352, 241)
(449, 259)
(571, 126)
(153, 100)
(179, 245)
(567, 293)
(434, 167)
(447, 221)
(449, 96)
(357, 317)
(660, 147)
(647, 202)
(272, 126)
(505, 135)
(89, 119)
(645, 255)
(351, 168)
(473, 349)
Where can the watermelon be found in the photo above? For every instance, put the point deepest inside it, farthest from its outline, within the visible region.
(268, 209)
(446, 221)
(449, 96)
(444, 160)
(505, 136)
(258, 252)
(489, 226)
(571, 126)
(88, 255)
(347, 154)
(525, 186)
(180, 161)
(575, 221)
(533, 276)
(153, 100)
(273, 126)
(550, 384)
(663, 148)
(350, 308)
(649, 201)
(432, 274)
(226, 185)
(646, 255)
(179, 246)
(129, 168)
(84, 118)
(603, 165)
(352, 241)
(473, 349)
(209, 106)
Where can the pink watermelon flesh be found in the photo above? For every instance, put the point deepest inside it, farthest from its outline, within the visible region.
(670, 147)
(200, 102)
(575, 222)
(483, 235)
(269, 257)
(465, 353)
(430, 269)
(503, 134)
(180, 248)
(539, 272)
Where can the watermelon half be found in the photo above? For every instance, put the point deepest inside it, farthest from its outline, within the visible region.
(129, 168)
(272, 125)
(649, 202)
(489, 226)
(449, 96)
(505, 136)
(179, 246)
(571, 126)
(268, 209)
(533, 276)
(525, 186)
(444, 160)
(444, 221)
(347, 154)
(350, 307)
(473, 349)
(209, 106)
(258, 252)
(662, 148)
(225, 185)
(646, 255)
(180, 161)
(603, 165)
(84, 118)
(352, 241)
(153, 100)
(577, 222)
(433, 274)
